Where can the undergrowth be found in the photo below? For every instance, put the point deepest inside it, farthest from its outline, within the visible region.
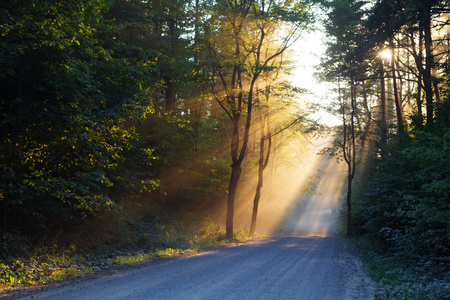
(123, 241)
(399, 280)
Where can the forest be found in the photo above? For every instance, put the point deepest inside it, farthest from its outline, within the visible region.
(154, 124)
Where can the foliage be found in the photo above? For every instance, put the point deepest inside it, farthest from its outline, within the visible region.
(102, 100)
(64, 142)
(211, 181)
(406, 208)
(403, 206)
(397, 280)
(247, 40)
(157, 234)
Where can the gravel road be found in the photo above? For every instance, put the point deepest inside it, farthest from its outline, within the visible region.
(310, 261)
(281, 267)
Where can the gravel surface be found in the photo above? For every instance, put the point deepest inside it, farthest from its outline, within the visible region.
(281, 267)
(310, 261)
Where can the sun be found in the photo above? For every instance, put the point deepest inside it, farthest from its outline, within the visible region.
(385, 54)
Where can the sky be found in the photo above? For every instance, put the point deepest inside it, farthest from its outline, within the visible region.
(308, 51)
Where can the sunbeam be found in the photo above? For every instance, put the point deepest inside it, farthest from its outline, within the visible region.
(318, 211)
(300, 194)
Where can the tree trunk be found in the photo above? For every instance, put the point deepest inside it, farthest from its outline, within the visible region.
(352, 159)
(169, 93)
(238, 157)
(418, 57)
(383, 114)
(421, 72)
(262, 164)
(260, 181)
(234, 179)
(400, 91)
(397, 101)
(256, 201)
(429, 62)
(349, 201)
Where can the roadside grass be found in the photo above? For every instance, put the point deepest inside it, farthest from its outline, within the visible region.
(127, 241)
(396, 276)
(399, 280)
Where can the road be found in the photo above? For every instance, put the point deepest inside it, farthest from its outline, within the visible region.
(281, 267)
(309, 261)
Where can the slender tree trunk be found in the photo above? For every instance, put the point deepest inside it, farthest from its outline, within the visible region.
(349, 146)
(419, 101)
(234, 179)
(418, 58)
(383, 115)
(263, 161)
(256, 201)
(197, 106)
(349, 200)
(398, 109)
(238, 156)
(400, 91)
(429, 62)
(169, 92)
(351, 159)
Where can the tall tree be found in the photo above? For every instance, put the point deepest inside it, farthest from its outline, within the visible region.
(66, 98)
(397, 100)
(245, 29)
(271, 125)
(388, 18)
(350, 144)
(344, 27)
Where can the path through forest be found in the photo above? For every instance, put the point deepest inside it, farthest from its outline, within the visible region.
(281, 267)
(308, 260)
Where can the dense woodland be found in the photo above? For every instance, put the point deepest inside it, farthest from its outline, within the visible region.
(108, 105)
(390, 66)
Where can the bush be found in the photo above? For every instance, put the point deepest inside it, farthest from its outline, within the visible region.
(406, 207)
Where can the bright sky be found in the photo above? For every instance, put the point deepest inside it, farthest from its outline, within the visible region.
(307, 54)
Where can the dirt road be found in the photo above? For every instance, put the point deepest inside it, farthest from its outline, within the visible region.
(310, 261)
(281, 267)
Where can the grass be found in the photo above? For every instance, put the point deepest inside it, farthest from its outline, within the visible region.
(124, 241)
(397, 279)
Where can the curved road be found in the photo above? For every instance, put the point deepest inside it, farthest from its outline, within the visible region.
(282, 267)
(311, 261)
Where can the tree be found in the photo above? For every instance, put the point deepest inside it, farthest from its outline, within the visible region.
(273, 120)
(343, 27)
(402, 205)
(63, 139)
(251, 28)
(351, 141)
(388, 18)
(405, 204)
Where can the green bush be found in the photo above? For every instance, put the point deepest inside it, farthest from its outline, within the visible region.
(406, 208)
